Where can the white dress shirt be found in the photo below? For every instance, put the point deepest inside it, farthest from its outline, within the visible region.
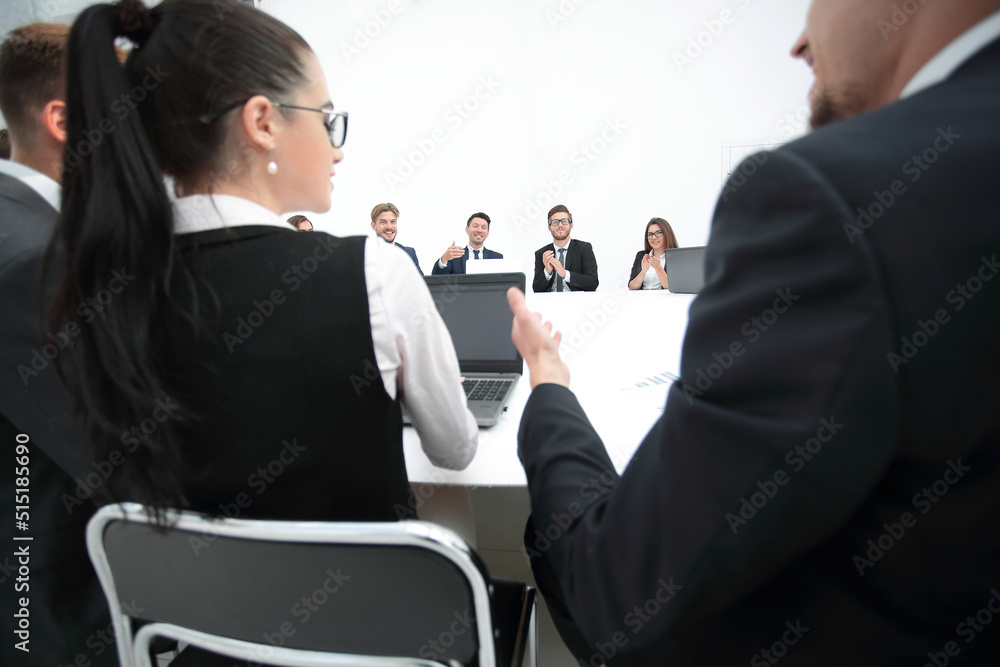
(471, 258)
(951, 57)
(47, 189)
(652, 279)
(413, 349)
(555, 251)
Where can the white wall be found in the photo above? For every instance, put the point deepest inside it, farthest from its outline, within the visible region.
(562, 75)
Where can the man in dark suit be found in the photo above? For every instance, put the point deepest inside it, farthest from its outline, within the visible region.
(384, 217)
(820, 488)
(454, 258)
(69, 620)
(565, 264)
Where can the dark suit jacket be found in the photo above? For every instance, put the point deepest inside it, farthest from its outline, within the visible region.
(826, 477)
(457, 265)
(580, 262)
(69, 615)
(412, 253)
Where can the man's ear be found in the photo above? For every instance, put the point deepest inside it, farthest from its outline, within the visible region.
(54, 120)
(373, 226)
(260, 122)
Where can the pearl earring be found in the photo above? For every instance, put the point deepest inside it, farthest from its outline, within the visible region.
(272, 166)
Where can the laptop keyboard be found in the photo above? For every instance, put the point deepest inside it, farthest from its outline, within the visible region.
(486, 390)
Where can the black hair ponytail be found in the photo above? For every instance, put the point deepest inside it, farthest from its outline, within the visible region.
(120, 283)
(114, 249)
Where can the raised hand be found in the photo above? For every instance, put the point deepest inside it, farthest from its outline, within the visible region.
(451, 253)
(536, 343)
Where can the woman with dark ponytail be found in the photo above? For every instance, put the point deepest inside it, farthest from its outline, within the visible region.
(221, 361)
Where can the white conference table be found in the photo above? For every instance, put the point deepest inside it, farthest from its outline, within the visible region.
(612, 341)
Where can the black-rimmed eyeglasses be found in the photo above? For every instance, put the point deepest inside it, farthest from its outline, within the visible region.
(654, 235)
(336, 121)
(560, 221)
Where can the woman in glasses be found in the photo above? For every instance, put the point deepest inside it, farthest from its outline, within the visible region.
(221, 361)
(649, 271)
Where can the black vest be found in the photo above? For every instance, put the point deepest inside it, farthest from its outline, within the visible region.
(299, 425)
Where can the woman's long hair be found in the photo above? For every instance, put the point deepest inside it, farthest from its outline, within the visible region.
(119, 282)
(668, 234)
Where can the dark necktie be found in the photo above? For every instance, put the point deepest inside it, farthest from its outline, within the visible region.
(562, 260)
(477, 253)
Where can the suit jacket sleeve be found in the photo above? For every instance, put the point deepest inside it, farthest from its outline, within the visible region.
(636, 265)
(540, 284)
(436, 269)
(584, 278)
(750, 394)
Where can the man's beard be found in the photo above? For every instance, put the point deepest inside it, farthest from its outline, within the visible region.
(828, 108)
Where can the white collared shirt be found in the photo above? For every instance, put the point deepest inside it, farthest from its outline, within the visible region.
(555, 250)
(413, 349)
(46, 188)
(953, 56)
(471, 257)
(651, 279)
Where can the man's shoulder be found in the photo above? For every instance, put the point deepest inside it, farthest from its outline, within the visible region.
(547, 246)
(582, 245)
(26, 219)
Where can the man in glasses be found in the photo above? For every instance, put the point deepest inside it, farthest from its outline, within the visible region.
(565, 264)
(455, 258)
(384, 217)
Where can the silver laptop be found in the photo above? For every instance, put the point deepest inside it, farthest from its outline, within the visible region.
(475, 310)
(685, 269)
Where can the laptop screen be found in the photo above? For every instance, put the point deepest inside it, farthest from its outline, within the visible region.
(475, 310)
(685, 269)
